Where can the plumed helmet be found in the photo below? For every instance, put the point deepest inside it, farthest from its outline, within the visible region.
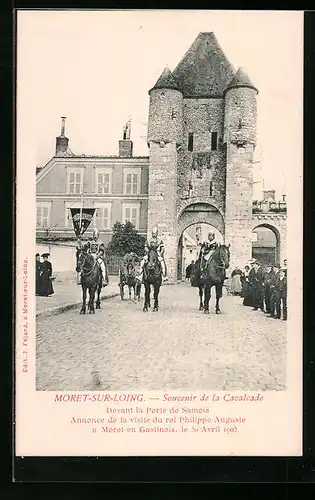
(155, 230)
(96, 233)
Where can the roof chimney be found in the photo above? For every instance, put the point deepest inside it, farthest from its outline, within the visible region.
(126, 145)
(62, 141)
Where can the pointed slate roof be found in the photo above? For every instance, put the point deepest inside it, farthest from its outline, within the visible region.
(240, 79)
(166, 81)
(204, 70)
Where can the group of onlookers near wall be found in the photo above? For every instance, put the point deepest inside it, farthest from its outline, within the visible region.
(263, 287)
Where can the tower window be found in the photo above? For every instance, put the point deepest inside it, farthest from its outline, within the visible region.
(211, 189)
(190, 141)
(214, 141)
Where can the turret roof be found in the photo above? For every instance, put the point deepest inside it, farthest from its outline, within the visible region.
(166, 81)
(240, 79)
(204, 71)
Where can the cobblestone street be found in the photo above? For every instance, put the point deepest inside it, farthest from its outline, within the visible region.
(123, 348)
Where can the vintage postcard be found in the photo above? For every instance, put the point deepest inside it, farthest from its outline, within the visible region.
(159, 233)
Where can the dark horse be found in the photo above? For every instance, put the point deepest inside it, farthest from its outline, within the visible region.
(152, 275)
(212, 273)
(127, 276)
(91, 279)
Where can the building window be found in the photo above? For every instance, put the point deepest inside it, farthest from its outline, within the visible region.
(211, 189)
(190, 141)
(131, 213)
(103, 181)
(132, 181)
(103, 216)
(75, 181)
(43, 215)
(214, 141)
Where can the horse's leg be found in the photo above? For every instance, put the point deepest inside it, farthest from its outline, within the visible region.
(137, 290)
(121, 289)
(98, 300)
(207, 298)
(83, 308)
(146, 297)
(156, 289)
(93, 300)
(218, 292)
(200, 298)
(90, 301)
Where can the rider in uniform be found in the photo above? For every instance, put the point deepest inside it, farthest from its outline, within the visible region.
(156, 244)
(207, 249)
(97, 249)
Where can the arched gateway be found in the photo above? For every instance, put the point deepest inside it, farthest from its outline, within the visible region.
(194, 221)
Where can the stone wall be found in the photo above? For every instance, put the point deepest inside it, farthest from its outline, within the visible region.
(240, 115)
(240, 137)
(162, 200)
(165, 116)
(188, 218)
(201, 117)
(238, 214)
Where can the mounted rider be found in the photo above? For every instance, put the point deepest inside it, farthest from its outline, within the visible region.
(96, 248)
(207, 249)
(155, 243)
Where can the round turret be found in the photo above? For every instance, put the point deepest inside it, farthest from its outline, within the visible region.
(165, 111)
(240, 116)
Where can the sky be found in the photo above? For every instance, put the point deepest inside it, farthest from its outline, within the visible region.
(96, 67)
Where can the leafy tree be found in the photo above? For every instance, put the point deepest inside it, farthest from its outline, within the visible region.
(125, 239)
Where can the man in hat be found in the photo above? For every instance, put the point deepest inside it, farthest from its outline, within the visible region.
(38, 267)
(251, 275)
(268, 280)
(156, 244)
(273, 298)
(46, 288)
(281, 294)
(96, 248)
(207, 249)
(285, 267)
(258, 287)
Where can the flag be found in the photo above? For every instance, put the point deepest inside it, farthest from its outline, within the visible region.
(86, 219)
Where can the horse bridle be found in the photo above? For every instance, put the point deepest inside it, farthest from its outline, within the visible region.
(89, 270)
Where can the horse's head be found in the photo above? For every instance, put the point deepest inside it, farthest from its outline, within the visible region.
(130, 268)
(224, 255)
(153, 264)
(83, 260)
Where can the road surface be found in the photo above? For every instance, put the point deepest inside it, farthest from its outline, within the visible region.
(179, 347)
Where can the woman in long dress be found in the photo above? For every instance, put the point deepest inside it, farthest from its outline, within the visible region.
(246, 288)
(236, 285)
(46, 288)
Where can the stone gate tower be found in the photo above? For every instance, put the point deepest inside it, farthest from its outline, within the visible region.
(202, 135)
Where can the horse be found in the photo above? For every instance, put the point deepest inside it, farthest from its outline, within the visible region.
(91, 279)
(127, 276)
(213, 274)
(152, 276)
